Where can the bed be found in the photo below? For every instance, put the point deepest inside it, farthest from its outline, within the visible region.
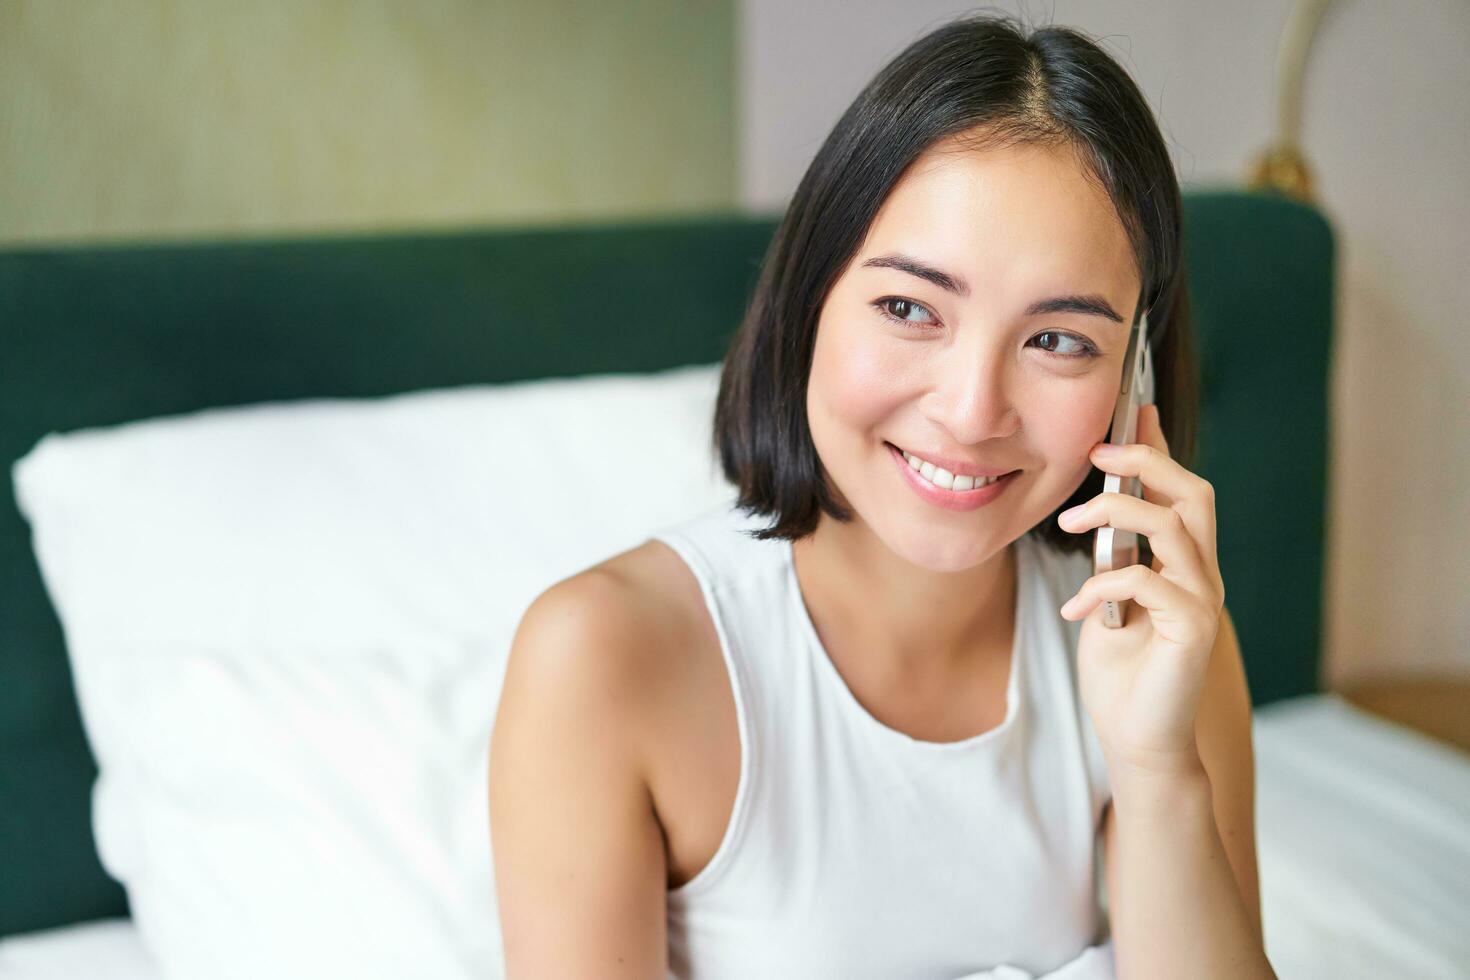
(1330, 908)
(226, 453)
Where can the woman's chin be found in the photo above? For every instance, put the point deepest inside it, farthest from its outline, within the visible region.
(942, 550)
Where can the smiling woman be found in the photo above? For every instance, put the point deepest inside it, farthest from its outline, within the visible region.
(983, 226)
(863, 750)
(996, 275)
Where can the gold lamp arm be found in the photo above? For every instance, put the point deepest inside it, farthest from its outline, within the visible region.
(1282, 166)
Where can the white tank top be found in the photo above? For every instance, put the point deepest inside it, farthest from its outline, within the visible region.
(854, 850)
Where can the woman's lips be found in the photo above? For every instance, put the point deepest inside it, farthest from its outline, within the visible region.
(960, 500)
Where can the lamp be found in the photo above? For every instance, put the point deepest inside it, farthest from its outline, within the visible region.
(1282, 167)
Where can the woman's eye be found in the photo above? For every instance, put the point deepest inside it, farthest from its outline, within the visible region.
(1080, 348)
(898, 310)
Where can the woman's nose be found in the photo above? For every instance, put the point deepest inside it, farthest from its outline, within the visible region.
(973, 401)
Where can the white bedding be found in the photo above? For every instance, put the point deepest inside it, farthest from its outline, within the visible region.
(1363, 829)
(1363, 834)
(106, 949)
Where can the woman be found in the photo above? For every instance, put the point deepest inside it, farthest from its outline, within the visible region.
(846, 727)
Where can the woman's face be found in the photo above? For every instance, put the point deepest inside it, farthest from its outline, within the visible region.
(972, 373)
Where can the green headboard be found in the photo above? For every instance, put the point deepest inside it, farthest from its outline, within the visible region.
(99, 335)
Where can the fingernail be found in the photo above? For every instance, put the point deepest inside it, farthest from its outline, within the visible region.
(1070, 512)
(1106, 450)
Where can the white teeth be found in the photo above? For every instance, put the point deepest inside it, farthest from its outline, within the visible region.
(944, 478)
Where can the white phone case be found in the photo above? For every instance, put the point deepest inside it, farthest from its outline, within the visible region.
(1112, 547)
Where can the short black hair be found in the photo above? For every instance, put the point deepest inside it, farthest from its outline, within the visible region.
(988, 80)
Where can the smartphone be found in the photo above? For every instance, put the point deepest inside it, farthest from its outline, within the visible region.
(1114, 548)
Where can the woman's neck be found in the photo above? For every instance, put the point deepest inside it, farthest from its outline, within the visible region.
(899, 619)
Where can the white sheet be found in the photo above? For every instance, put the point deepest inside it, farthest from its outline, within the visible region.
(106, 949)
(1363, 834)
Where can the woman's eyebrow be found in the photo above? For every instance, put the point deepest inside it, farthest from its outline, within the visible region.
(1092, 305)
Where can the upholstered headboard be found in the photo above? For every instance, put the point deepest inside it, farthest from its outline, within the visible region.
(106, 334)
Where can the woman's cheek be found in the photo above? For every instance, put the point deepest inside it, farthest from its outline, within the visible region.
(1078, 430)
(860, 378)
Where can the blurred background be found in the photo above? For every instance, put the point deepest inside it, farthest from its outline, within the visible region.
(166, 120)
(211, 119)
(129, 123)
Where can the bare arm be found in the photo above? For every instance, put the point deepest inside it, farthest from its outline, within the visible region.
(1179, 848)
(1173, 900)
(580, 871)
(1223, 734)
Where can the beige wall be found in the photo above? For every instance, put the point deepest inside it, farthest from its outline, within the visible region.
(172, 119)
(1387, 126)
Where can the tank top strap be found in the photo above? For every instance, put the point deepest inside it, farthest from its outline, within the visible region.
(740, 579)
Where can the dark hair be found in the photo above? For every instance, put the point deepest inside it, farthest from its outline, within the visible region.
(984, 79)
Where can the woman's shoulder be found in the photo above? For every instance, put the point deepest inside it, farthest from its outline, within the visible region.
(642, 610)
(617, 637)
(572, 743)
(649, 599)
(658, 587)
(641, 599)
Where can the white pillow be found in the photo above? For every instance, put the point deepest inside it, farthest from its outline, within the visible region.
(288, 624)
